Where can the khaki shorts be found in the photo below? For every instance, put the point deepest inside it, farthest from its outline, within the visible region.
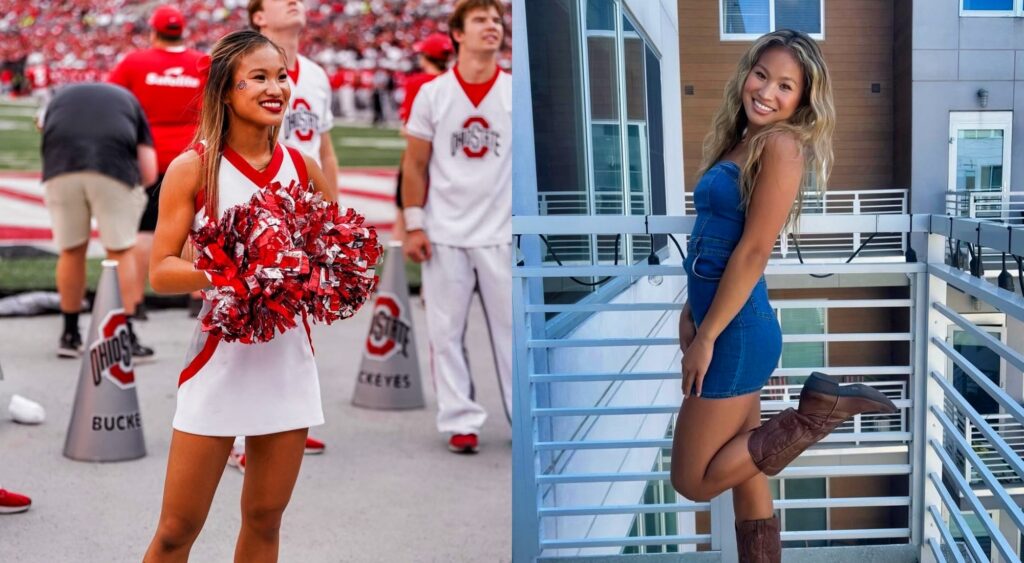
(73, 199)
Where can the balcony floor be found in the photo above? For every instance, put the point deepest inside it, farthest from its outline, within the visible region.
(858, 554)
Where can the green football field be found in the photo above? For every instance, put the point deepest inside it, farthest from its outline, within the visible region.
(358, 146)
(19, 150)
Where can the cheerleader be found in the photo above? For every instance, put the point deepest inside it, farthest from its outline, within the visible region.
(268, 391)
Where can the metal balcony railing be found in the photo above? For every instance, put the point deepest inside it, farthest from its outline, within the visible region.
(595, 407)
(577, 249)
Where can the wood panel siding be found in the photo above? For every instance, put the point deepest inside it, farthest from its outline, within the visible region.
(858, 49)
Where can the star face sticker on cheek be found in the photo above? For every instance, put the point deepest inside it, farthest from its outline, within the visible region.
(241, 85)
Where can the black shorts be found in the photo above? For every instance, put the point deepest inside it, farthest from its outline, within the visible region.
(148, 222)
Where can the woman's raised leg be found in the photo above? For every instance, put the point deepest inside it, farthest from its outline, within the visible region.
(194, 466)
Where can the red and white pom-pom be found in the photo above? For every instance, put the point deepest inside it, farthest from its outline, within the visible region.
(284, 253)
(341, 252)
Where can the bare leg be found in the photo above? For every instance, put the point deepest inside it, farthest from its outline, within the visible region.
(271, 468)
(127, 277)
(71, 278)
(194, 467)
(709, 452)
(143, 247)
(752, 499)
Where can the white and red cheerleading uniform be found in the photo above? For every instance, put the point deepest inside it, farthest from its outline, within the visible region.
(236, 389)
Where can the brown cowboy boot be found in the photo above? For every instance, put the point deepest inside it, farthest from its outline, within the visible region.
(759, 541)
(824, 405)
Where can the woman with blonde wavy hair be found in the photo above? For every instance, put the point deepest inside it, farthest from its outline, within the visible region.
(775, 123)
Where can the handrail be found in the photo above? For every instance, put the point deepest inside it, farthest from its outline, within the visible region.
(557, 466)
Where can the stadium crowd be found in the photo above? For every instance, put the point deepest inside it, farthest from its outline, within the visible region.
(365, 45)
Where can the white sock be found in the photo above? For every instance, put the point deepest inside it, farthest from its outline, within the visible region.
(25, 411)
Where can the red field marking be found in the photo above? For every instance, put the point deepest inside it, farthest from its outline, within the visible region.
(367, 194)
(20, 195)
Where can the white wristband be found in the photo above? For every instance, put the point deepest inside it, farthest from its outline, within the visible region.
(413, 218)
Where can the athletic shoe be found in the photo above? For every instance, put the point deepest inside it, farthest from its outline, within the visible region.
(140, 352)
(24, 411)
(314, 446)
(236, 459)
(463, 443)
(11, 503)
(70, 345)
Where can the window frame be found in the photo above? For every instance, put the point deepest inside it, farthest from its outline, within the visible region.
(724, 36)
(959, 120)
(1016, 11)
(563, 323)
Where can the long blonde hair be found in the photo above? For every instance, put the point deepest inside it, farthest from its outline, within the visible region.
(812, 124)
(213, 122)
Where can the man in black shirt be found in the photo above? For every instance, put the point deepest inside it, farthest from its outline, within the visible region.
(97, 153)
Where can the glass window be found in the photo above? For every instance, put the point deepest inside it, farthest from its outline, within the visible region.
(982, 357)
(804, 519)
(749, 18)
(803, 354)
(979, 159)
(597, 125)
(989, 5)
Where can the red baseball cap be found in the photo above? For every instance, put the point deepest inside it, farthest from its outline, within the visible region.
(168, 20)
(435, 46)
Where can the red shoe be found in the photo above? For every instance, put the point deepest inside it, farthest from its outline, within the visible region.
(11, 503)
(463, 443)
(236, 459)
(314, 446)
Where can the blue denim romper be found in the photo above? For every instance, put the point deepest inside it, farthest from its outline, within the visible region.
(748, 350)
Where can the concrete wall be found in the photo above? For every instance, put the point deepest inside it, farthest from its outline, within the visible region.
(954, 57)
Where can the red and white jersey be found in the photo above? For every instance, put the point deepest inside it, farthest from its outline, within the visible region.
(236, 389)
(309, 109)
(38, 76)
(469, 202)
(169, 88)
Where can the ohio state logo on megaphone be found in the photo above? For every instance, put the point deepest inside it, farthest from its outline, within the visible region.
(389, 334)
(111, 354)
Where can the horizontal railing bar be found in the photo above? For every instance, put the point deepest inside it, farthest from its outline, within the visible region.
(995, 536)
(772, 269)
(624, 541)
(995, 440)
(855, 502)
(670, 341)
(673, 306)
(766, 406)
(622, 509)
(868, 533)
(993, 343)
(597, 307)
(986, 474)
(676, 224)
(947, 536)
(993, 390)
(954, 511)
(779, 372)
(1005, 301)
(792, 472)
(629, 376)
(665, 443)
(606, 411)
